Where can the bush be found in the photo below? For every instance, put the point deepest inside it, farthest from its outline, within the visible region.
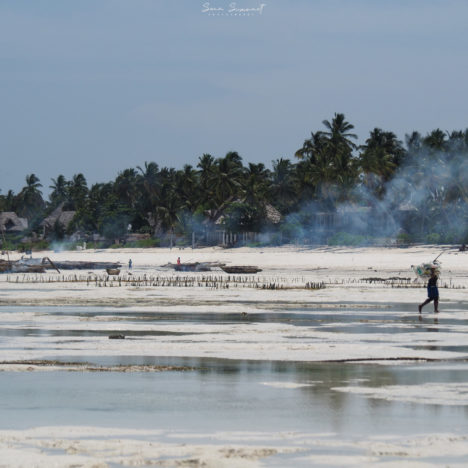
(182, 242)
(114, 227)
(8, 245)
(433, 238)
(291, 230)
(455, 235)
(404, 238)
(344, 238)
(253, 244)
(143, 243)
(41, 245)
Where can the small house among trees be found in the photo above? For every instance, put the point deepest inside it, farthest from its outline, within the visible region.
(57, 222)
(10, 222)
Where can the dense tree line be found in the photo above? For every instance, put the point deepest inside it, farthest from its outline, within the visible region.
(429, 172)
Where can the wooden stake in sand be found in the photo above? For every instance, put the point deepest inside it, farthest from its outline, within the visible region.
(51, 262)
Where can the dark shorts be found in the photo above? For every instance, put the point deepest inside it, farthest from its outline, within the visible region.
(432, 292)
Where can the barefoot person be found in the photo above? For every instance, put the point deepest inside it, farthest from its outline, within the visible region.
(432, 291)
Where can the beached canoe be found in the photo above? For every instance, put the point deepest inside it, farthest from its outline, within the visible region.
(81, 265)
(112, 271)
(192, 267)
(241, 269)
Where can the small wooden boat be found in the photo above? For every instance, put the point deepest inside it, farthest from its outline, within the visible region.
(241, 269)
(81, 265)
(19, 266)
(192, 267)
(35, 269)
(112, 271)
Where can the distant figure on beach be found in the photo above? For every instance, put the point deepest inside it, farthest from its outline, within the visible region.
(130, 264)
(178, 260)
(432, 291)
(462, 248)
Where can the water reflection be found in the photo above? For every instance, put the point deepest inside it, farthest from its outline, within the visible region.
(229, 395)
(222, 394)
(25, 332)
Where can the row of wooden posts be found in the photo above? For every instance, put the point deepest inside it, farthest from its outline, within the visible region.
(219, 281)
(213, 281)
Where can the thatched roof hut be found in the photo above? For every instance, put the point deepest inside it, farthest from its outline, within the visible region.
(11, 222)
(272, 214)
(59, 216)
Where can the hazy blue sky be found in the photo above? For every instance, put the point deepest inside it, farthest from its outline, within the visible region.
(97, 86)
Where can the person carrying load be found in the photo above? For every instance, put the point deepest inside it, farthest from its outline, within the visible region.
(432, 291)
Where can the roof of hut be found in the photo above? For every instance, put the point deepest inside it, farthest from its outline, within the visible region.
(271, 213)
(10, 221)
(60, 216)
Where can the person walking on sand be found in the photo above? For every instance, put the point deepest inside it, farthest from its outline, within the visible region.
(432, 291)
(130, 264)
(178, 260)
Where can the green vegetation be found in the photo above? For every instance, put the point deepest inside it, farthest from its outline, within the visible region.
(344, 238)
(333, 191)
(144, 243)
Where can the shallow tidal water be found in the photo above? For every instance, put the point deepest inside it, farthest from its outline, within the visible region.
(230, 395)
(221, 395)
(215, 395)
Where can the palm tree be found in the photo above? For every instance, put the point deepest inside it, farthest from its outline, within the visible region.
(311, 146)
(167, 213)
(226, 179)
(234, 158)
(9, 201)
(256, 183)
(168, 203)
(148, 182)
(31, 203)
(126, 187)
(33, 183)
(329, 169)
(339, 150)
(414, 142)
(90, 214)
(187, 187)
(320, 176)
(457, 143)
(60, 191)
(436, 140)
(149, 175)
(283, 185)
(379, 159)
(388, 141)
(206, 165)
(78, 190)
(338, 133)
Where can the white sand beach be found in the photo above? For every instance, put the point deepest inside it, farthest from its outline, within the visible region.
(310, 305)
(343, 272)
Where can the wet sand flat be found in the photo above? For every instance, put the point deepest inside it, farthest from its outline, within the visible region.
(219, 370)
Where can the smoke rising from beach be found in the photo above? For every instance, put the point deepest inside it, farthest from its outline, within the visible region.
(424, 201)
